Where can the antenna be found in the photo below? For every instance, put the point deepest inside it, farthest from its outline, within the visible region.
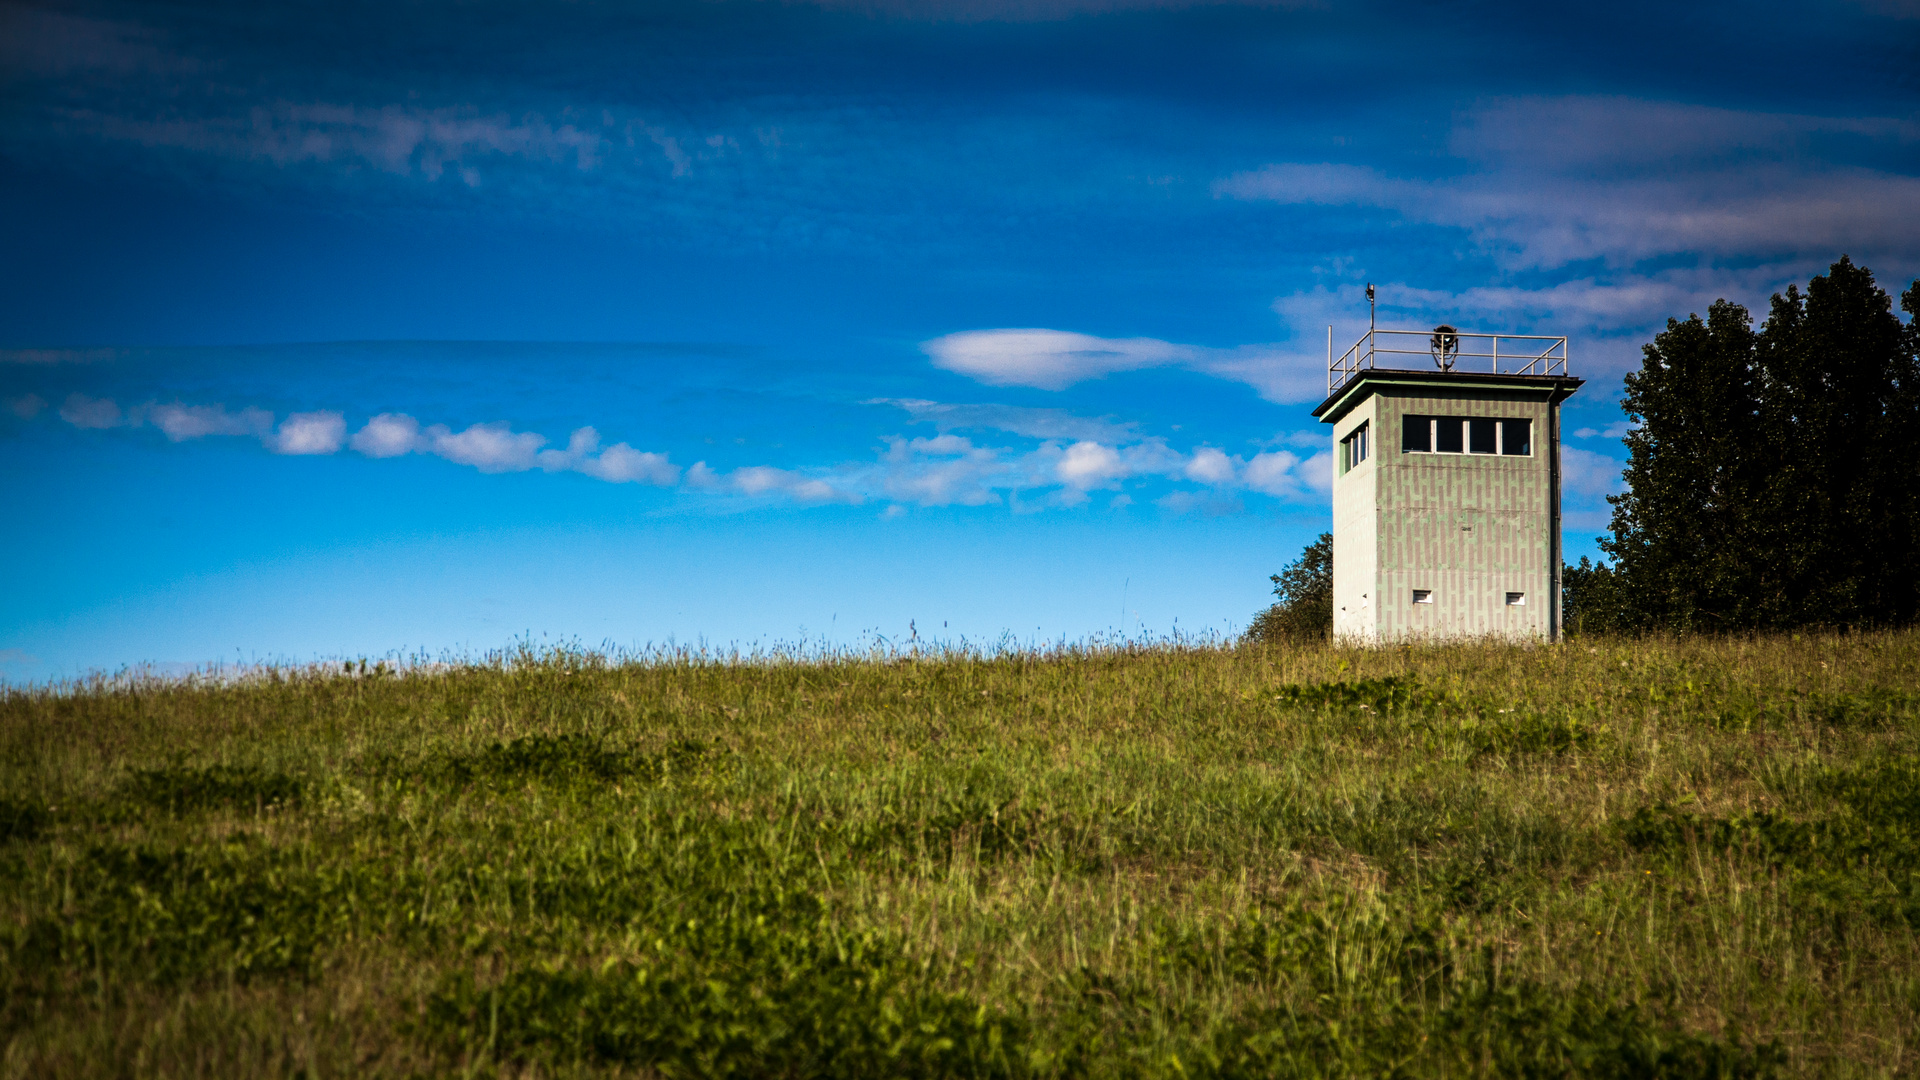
(1369, 307)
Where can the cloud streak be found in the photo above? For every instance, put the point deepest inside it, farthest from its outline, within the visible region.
(1057, 359)
(945, 469)
(1637, 180)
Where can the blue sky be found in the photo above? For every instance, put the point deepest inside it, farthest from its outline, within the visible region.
(334, 330)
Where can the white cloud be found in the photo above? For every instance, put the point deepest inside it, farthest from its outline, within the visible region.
(1273, 473)
(85, 412)
(702, 478)
(1616, 430)
(1057, 359)
(1210, 466)
(1588, 475)
(1090, 464)
(944, 469)
(388, 435)
(767, 480)
(491, 448)
(26, 407)
(617, 464)
(1285, 475)
(1048, 359)
(182, 422)
(310, 433)
(621, 464)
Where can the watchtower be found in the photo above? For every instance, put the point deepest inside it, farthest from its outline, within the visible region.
(1446, 491)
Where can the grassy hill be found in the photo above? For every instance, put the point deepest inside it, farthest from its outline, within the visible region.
(1611, 858)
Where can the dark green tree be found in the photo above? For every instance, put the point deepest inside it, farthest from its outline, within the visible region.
(1836, 514)
(1590, 601)
(1680, 530)
(1773, 477)
(1304, 610)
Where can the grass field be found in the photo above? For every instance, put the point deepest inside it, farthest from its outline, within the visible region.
(1610, 858)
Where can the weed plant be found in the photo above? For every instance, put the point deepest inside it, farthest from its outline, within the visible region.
(1612, 858)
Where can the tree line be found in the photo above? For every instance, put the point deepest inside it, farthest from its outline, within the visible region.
(1773, 477)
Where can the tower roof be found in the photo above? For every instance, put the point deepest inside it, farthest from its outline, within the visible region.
(1555, 388)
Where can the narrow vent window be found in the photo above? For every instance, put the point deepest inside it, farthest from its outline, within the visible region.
(1423, 596)
(1516, 599)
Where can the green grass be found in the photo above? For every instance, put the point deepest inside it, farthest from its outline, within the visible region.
(1611, 858)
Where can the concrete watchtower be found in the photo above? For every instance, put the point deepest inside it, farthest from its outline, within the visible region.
(1446, 491)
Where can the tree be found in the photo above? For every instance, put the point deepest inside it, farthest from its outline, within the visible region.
(1837, 508)
(1773, 477)
(1590, 601)
(1304, 611)
(1679, 531)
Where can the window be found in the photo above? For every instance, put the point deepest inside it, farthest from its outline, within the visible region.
(1466, 435)
(1416, 434)
(1516, 599)
(1353, 448)
(1423, 596)
(1516, 439)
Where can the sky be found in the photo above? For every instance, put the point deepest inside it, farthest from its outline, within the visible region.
(335, 330)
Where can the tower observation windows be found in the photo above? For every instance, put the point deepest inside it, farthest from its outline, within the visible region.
(1353, 448)
(1466, 435)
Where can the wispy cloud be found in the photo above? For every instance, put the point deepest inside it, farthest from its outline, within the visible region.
(1014, 419)
(617, 464)
(310, 433)
(387, 435)
(764, 481)
(182, 422)
(946, 469)
(397, 139)
(85, 412)
(491, 447)
(1588, 475)
(1047, 359)
(1642, 179)
(1056, 359)
(27, 406)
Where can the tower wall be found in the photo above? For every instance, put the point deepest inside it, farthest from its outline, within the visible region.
(1467, 528)
(1356, 546)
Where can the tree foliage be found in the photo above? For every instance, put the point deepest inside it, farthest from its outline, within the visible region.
(1304, 610)
(1773, 476)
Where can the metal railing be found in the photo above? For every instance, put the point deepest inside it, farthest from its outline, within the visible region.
(1454, 350)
